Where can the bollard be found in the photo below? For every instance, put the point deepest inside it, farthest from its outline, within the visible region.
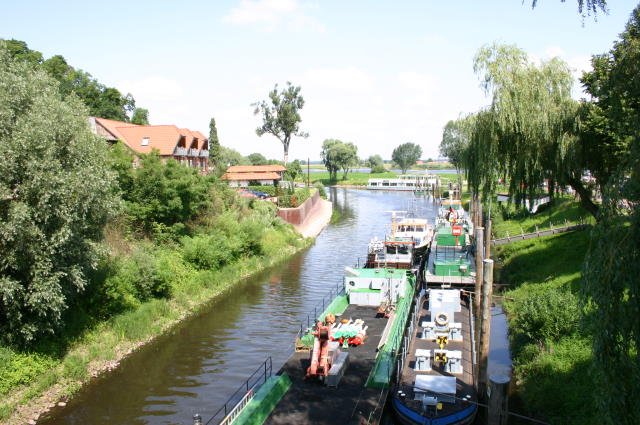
(498, 399)
(485, 327)
(197, 419)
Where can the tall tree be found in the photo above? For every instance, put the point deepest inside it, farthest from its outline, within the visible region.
(257, 159)
(56, 193)
(140, 116)
(611, 289)
(281, 115)
(102, 101)
(338, 155)
(455, 141)
(215, 154)
(527, 134)
(406, 155)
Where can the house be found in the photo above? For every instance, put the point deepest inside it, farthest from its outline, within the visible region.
(188, 147)
(249, 175)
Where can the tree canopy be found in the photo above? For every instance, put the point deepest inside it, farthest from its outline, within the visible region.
(528, 133)
(338, 155)
(140, 116)
(376, 164)
(102, 101)
(281, 115)
(56, 193)
(406, 155)
(611, 289)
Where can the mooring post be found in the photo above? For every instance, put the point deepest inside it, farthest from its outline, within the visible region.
(487, 238)
(478, 284)
(485, 326)
(498, 399)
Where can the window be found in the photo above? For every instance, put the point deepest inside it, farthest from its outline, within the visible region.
(145, 141)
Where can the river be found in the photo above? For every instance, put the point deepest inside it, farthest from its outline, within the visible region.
(195, 367)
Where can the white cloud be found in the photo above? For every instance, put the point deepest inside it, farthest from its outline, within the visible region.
(271, 14)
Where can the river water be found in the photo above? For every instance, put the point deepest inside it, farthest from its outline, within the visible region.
(200, 363)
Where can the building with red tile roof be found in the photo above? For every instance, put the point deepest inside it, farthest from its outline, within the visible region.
(185, 146)
(245, 175)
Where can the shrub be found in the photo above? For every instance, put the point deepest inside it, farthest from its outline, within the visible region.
(547, 316)
(320, 187)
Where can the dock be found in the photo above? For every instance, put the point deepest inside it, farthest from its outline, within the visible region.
(309, 401)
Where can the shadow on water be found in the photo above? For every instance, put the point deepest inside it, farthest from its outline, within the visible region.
(199, 363)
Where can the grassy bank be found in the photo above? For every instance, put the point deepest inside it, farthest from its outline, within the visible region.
(32, 380)
(508, 222)
(551, 351)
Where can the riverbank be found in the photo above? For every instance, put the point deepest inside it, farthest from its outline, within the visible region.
(551, 350)
(101, 348)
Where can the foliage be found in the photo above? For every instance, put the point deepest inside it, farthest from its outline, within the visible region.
(528, 134)
(611, 286)
(585, 6)
(294, 170)
(552, 360)
(102, 101)
(281, 115)
(229, 157)
(165, 195)
(455, 142)
(547, 316)
(257, 159)
(215, 150)
(320, 187)
(406, 155)
(55, 197)
(376, 164)
(338, 155)
(140, 116)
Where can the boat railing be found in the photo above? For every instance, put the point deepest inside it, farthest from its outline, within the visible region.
(412, 325)
(228, 412)
(320, 307)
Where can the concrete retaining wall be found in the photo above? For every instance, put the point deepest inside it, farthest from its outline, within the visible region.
(297, 215)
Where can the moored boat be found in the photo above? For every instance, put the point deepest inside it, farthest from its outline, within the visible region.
(405, 182)
(450, 259)
(342, 367)
(436, 367)
(404, 247)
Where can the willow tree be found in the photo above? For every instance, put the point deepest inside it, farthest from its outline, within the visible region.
(526, 134)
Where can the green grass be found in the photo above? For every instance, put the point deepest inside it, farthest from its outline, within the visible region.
(565, 211)
(552, 373)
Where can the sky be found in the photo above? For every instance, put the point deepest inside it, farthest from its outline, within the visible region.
(374, 73)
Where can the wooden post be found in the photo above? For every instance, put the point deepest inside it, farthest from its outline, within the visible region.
(479, 258)
(485, 327)
(487, 238)
(498, 399)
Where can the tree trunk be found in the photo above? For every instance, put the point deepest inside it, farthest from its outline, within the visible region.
(585, 197)
(551, 189)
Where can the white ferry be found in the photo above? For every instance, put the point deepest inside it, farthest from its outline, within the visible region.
(413, 182)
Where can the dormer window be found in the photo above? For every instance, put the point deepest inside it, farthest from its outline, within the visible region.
(145, 141)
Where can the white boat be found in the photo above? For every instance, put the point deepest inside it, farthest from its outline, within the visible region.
(404, 246)
(408, 182)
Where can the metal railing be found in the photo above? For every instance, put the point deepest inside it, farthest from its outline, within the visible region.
(320, 307)
(204, 153)
(180, 151)
(193, 152)
(241, 397)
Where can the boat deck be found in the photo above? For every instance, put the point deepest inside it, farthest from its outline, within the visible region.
(448, 281)
(464, 381)
(311, 402)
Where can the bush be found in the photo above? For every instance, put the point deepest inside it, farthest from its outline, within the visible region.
(547, 316)
(320, 187)
(209, 252)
